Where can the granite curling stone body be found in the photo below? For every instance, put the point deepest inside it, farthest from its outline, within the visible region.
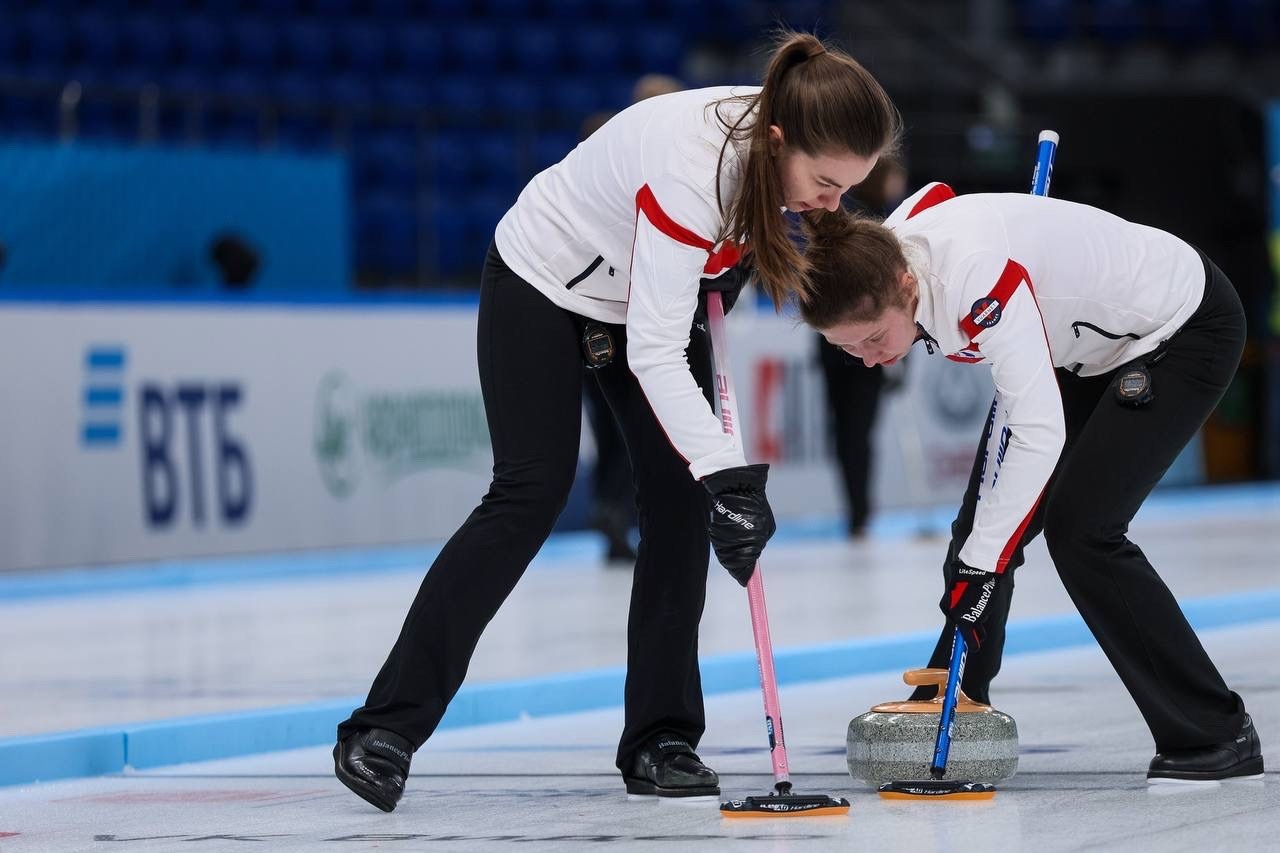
(894, 741)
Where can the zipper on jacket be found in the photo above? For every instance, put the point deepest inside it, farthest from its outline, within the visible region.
(1075, 327)
(588, 271)
(922, 335)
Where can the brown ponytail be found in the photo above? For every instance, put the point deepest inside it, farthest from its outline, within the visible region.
(825, 103)
(855, 265)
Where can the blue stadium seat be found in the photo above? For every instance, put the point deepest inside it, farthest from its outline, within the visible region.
(418, 47)
(618, 91)
(8, 50)
(515, 97)
(475, 48)
(573, 98)
(349, 91)
(656, 49)
(105, 121)
(482, 212)
(462, 95)
(387, 233)
(233, 129)
(256, 43)
(633, 12)
(274, 9)
(513, 12)
(449, 164)
(597, 49)
(304, 132)
(334, 8)
(98, 40)
(537, 50)
(386, 161)
(28, 115)
(394, 12)
(446, 13)
(453, 249)
(297, 88)
(551, 148)
(241, 83)
(150, 44)
(308, 45)
(572, 12)
(134, 77)
(202, 42)
(408, 91)
(1047, 21)
(47, 45)
(499, 164)
(363, 47)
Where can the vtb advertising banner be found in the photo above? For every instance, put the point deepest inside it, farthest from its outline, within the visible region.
(135, 433)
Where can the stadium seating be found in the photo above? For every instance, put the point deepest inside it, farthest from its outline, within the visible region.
(444, 107)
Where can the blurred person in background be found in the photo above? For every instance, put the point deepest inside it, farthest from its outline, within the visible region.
(852, 386)
(1109, 343)
(603, 258)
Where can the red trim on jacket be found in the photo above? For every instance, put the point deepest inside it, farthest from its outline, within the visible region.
(1002, 562)
(726, 257)
(647, 204)
(1013, 275)
(936, 195)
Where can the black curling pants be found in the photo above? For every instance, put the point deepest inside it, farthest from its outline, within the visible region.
(1114, 456)
(531, 378)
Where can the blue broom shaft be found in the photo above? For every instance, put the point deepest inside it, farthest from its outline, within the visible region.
(1045, 153)
(1048, 147)
(942, 747)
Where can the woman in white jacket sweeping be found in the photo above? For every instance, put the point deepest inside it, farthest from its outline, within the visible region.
(1110, 343)
(602, 258)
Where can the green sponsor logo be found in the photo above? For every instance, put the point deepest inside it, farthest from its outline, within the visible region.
(391, 434)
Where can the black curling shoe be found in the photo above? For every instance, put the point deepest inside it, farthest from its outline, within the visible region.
(373, 764)
(1236, 759)
(667, 766)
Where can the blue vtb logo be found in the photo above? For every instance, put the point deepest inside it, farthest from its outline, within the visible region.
(175, 460)
(103, 404)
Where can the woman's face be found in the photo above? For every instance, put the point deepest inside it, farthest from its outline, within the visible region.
(885, 339)
(810, 182)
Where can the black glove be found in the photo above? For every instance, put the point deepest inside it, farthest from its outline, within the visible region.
(740, 520)
(967, 601)
(728, 284)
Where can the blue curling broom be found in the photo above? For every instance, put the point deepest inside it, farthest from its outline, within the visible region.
(937, 785)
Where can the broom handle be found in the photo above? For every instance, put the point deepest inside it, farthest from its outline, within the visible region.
(755, 587)
(1046, 151)
(942, 746)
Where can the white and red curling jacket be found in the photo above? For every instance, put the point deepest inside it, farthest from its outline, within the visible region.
(622, 230)
(1027, 284)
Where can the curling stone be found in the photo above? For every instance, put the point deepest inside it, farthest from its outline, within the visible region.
(894, 741)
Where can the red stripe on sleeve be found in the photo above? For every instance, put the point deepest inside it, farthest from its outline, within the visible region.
(937, 195)
(647, 204)
(724, 258)
(1012, 276)
(1009, 547)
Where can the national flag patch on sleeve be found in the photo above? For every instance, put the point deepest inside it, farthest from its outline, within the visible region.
(985, 312)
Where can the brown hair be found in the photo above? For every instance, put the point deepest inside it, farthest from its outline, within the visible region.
(825, 103)
(855, 265)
